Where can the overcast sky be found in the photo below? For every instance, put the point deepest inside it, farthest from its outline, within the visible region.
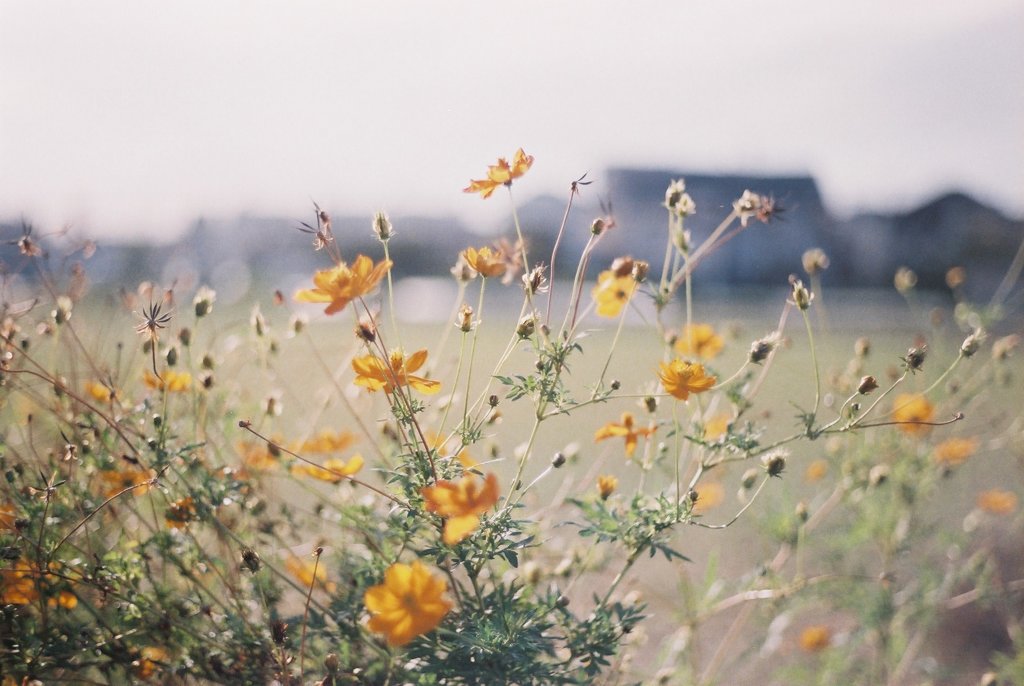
(131, 118)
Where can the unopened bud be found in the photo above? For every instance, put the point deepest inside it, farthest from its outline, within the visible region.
(171, 356)
(251, 560)
(802, 297)
(878, 475)
(527, 325)
(332, 663)
(203, 302)
(622, 266)
(606, 485)
(207, 362)
(558, 460)
(598, 226)
(749, 478)
(382, 226)
(905, 280)
(915, 358)
(492, 400)
(867, 384)
(651, 404)
(801, 512)
(972, 343)
(465, 319)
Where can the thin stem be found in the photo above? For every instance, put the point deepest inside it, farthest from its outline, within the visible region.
(814, 361)
(305, 613)
(472, 355)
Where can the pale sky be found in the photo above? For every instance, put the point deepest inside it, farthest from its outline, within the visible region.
(131, 118)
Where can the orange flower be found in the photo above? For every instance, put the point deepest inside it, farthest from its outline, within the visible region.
(461, 503)
(816, 471)
(64, 599)
(699, 340)
(373, 373)
(501, 174)
(327, 441)
(815, 639)
(342, 284)
(612, 293)
(626, 429)
(17, 586)
(180, 512)
(606, 485)
(716, 427)
(99, 392)
(7, 516)
(408, 604)
(172, 381)
(303, 570)
(257, 456)
(997, 501)
(333, 470)
(116, 480)
(953, 452)
(485, 262)
(709, 495)
(909, 409)
(681, 378)
(151, 657)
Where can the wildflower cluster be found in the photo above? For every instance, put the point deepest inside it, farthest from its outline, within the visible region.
(238, 507)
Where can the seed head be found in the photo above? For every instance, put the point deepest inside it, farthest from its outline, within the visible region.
(915, 358)
(382, 227)
(774, 463)
(867, 385)
(465, 319)
(972, 342)
(802, 296)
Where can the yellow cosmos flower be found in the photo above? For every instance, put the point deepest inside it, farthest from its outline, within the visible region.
(485, 262)
(373, 373)
(116, 480)
(606, 485)
(306, 571)
(681, 378)
(699, 340)
(17, 587)
(151, 657)
(953, 452)
(816, 471)
(99, 392)
(180, 512)
(408, 604)
(997, 501)
(612, 293)
(327, 441)
(333, 470)
(815, 639)
(501, 174)
(461, 503)
(716, 427)
(342, 284)
(910, 408)
(625, 428)
(170, 380)
(709, 496)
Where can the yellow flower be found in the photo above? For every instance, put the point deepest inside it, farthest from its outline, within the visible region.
(340, 285)
(408, 604)
(333, 470)
(909, 409)
(997, 501)
(172, 381)
(500, 174)
(7, 516)
(606, 485)
(699, 340)
(373, 373)
(681, 378)
(180, 512)
(626, 429)
(327, 441)
(461, 503)
(716, 427)
(257, 456)
(17, 586)
(953, 452)
(709, 495)
(99, 392)
(815, 639)
(149, 661)
(612, 293)
(816, 471)
(303, 570)
(116, 480)
(64, 599)
(485, 262)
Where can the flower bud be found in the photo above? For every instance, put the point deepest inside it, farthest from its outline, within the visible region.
(749, 478)
(915, 358)
(606, 485)
(251, 560)
(203, 301)
(207, 362)
(558, 460)
(878, 475)
(801, 512)
(171, 356)
(867, 384)
(972, 343)
(382, 228)
(763, 347)
(598, 226)
(185, 336)
(815, 261)
(332, 663)
(492, 400)
(774, 463)
(527, 325)
(905, 280)
(651, 404)
(622, 266)
(465, 319)
(802, 297)
(640, 269)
